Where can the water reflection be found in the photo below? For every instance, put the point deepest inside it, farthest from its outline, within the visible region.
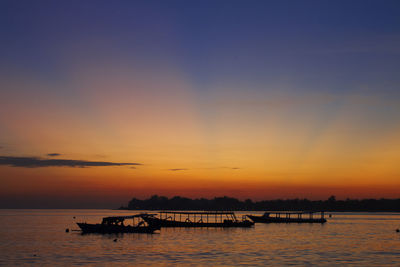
(38, 237)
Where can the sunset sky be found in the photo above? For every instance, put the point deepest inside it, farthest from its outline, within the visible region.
(102, 101)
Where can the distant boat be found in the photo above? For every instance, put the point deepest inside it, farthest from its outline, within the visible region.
(288, 217)
(196, 219)
(115, 224)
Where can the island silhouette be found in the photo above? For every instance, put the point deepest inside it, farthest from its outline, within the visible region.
(228, 203)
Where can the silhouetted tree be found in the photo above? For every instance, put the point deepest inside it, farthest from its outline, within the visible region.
(227, 203)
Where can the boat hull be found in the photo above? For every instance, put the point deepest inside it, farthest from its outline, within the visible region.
(156, 222)
(262, 219)
(108, 229)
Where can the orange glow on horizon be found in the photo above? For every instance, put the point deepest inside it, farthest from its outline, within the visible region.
(258, 145)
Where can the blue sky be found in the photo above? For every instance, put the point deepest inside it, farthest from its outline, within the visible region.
(329, 45)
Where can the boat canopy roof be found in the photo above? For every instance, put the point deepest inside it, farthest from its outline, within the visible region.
(122, 218)
(199, 212)
(291, 212)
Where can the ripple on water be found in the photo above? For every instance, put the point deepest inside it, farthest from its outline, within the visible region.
(349, 239)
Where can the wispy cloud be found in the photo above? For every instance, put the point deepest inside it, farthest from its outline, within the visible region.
(211, 168)
(35, 162)
(181, 169)
(53, 154)
(229, 168)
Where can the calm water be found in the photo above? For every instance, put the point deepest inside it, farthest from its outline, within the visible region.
(361, 239)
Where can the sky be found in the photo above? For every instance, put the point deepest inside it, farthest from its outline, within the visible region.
(103, 101)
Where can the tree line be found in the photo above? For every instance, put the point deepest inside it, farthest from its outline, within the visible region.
(228, 203)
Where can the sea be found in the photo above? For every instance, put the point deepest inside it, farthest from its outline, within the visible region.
(39, 238)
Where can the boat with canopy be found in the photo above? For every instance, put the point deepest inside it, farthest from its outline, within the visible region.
(289, 217)
(115, 224)
(196, 219)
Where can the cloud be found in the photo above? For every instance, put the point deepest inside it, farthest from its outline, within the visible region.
(212, 168)
(53, 154)
(216, 168)
(174, 170)
(35, 162)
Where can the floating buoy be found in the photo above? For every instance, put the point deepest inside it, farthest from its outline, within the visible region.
(115, 240)
(67, 230)
(397, 230)
(330, 215)
(73, 217)
(34, 255)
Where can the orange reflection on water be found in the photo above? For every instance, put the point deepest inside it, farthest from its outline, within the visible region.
(347, 238)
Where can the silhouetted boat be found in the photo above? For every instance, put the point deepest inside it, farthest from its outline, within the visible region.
(288, 217)
(115, 224)
(196, 219)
